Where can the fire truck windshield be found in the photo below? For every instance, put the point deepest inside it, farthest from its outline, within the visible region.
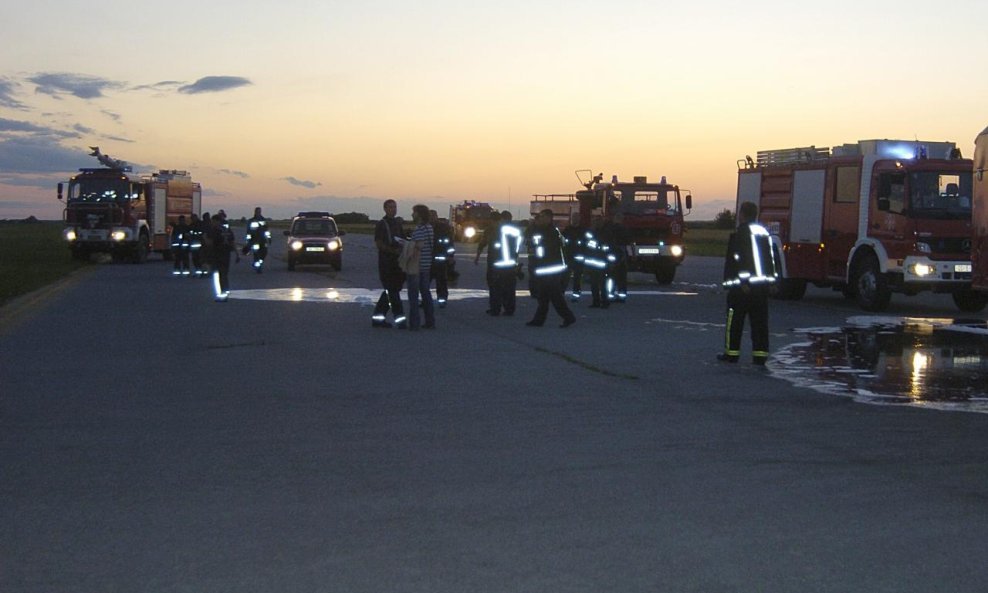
(648, 202)
(101, 190)
(939, 195)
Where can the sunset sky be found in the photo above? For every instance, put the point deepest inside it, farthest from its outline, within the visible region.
(302, 105)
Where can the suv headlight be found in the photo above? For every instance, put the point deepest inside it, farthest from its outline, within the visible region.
(333, 245)
(295, 245)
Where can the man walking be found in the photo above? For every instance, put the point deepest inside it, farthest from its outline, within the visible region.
(548, 267)
(389, 237)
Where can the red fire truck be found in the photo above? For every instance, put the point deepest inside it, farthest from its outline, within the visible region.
(470, 219)
(869, 218)
(652, 213)
(979, 251)
(108, 209)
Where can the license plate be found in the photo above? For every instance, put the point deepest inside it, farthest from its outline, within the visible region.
(315, 249)
(962, 268)
(648, 251)
(94, 237)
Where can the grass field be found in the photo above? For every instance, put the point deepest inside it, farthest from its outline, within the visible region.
(33, 255)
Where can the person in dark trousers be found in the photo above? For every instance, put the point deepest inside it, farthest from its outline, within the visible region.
(596, 260)
(503, 244)
(615, 235)
(575, 236)
(222, 243)
(257, 239)
(750, 273)
(442, 256)
(548, 266)
(197, 230)
(181, 241)
(389, 237)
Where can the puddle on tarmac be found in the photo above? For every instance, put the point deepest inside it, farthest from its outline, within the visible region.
(931, 363)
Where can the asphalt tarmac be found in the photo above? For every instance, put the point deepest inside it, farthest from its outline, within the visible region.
(154, 440)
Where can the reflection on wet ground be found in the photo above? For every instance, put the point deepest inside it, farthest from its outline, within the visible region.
(365, 295)
(931, 363)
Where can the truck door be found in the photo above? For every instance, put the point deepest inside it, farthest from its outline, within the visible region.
(841, 217)
(886, 211)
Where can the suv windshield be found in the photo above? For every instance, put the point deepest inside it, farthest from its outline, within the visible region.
(314, 228)
(940, 195)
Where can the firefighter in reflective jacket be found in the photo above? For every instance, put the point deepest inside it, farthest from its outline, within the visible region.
(547, 265)
(442, 256)
(503, 244)
(598, 260)
(750, 273)
(257, 239)
(181, 239)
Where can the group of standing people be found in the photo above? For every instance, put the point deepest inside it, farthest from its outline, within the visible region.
(414, 260)
(208, 244)
(556, 259)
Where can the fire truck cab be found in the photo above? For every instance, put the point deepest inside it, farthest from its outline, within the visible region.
(470, 219)
(652, 213)
(869, 218)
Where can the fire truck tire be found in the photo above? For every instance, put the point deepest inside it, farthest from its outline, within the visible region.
(665, 274)
(791, 289)
(140, 254)
(871, 287)
(970, 301)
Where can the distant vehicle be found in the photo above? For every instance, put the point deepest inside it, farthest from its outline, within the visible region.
(111, 210)
(869, 218)
(314, 239)
(652, 214)
(470, 219)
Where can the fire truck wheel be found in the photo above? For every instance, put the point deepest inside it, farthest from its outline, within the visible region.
(141, 250)
(791, 289)
(871, 286)
(665, 274)
(970, 301)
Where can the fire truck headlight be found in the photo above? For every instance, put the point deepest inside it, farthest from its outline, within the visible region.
(676, 250)
(118, 236)
(469, 232)
(922, 270)
(296, 245)
(70, 235)
(333, 245)
(923, 248)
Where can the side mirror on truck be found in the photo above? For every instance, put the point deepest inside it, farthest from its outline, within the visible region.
(59, 191)
(689, 202)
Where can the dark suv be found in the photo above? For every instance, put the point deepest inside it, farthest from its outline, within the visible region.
(314, 239)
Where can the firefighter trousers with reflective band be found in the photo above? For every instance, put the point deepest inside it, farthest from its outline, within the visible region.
(755, 308)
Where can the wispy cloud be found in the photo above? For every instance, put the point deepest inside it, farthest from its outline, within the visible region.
(12, 125)
(7, 95)
(235, 173)
(82, 86)
(301, 182)
(40, 154)
(214, 84)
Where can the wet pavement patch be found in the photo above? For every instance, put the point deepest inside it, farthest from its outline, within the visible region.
(931, 363)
